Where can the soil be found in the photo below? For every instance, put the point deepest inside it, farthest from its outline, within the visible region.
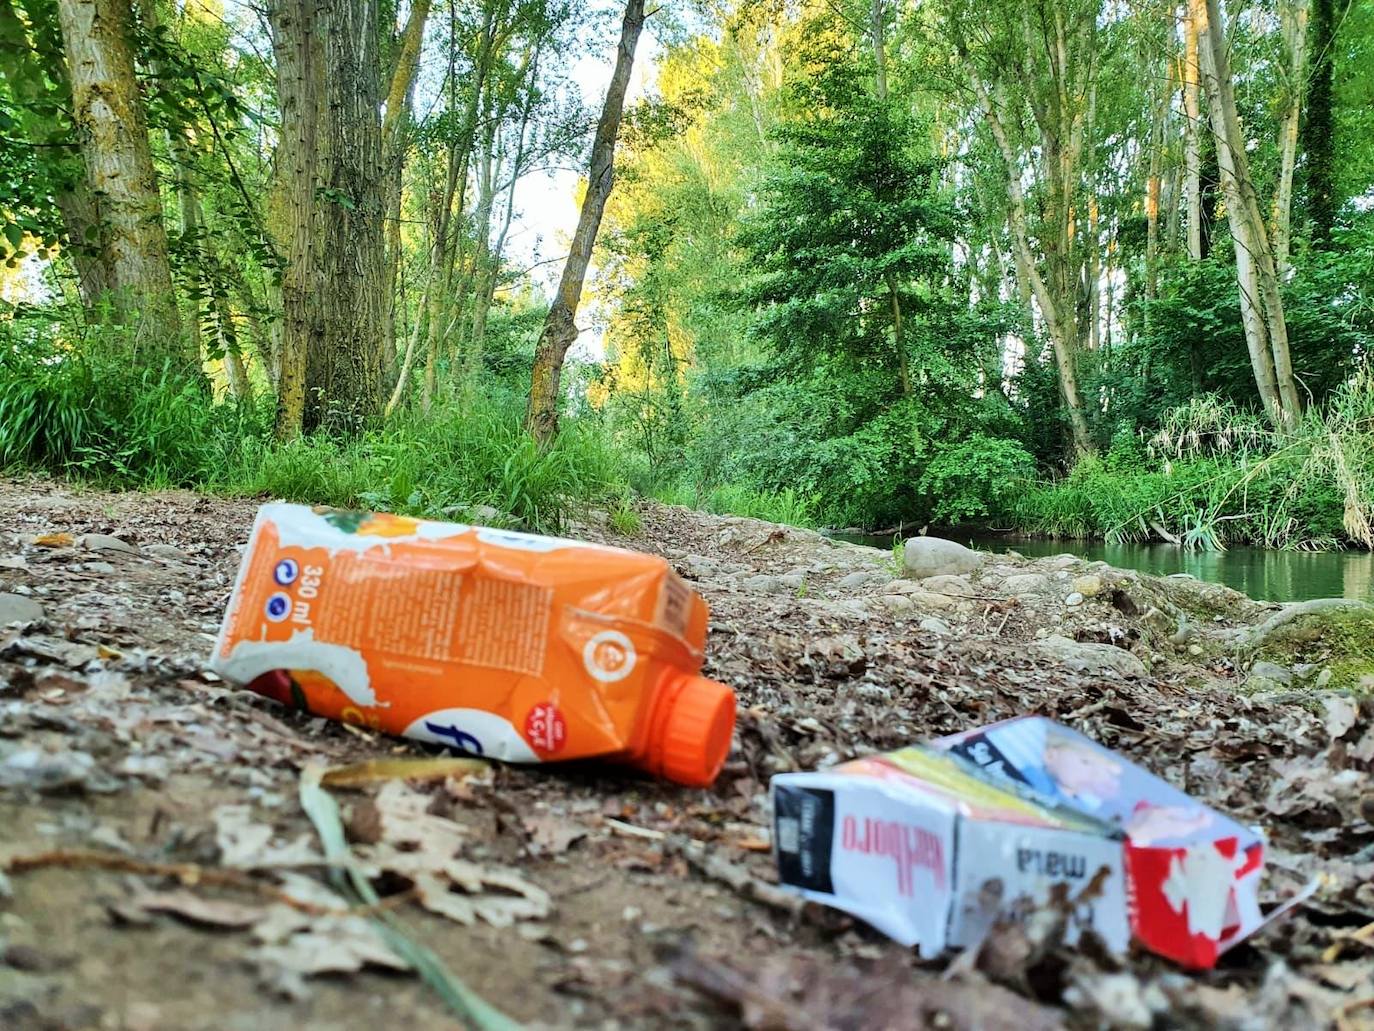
(664, 907)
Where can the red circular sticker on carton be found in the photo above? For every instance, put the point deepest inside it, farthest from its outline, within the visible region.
(545, 729)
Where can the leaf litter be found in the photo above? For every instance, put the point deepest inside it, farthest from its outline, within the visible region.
(193, 788)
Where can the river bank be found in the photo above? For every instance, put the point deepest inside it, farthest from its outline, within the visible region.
(661, 910)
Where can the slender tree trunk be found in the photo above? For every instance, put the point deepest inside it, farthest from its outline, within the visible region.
(1192, 134)
(1295, 34)
(301, 97)
(112, 127)
(560, 326)
(459, 154)
(1261, 305)
(875, 29)
(395, 143)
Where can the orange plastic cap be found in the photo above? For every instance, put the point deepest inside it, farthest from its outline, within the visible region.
(696, 730)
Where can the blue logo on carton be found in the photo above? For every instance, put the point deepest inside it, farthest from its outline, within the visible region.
(278, 607)
(286, 571)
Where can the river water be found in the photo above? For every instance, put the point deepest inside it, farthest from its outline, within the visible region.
(1258, 572)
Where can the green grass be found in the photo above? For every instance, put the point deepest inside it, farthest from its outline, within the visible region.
(1215, 476)
(108, 426)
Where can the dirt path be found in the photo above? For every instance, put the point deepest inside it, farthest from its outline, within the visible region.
(660, 908)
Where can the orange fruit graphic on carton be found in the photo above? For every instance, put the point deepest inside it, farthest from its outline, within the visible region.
(508, 645)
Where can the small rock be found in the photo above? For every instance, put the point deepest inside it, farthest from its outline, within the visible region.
(98, 567)
(167, 552)
(15, 608)
(1090, 586)
(1158, 620)
(896, 604)
(1323, 678)
(1026, 583)
(857, 579)
(938, 627)
(1061, 562)
(1271, 671)
(1074, 600)
(1194, 650)
(1089, 657)
(934, 556)
(954, 586)
(765, 583)
(104, 542)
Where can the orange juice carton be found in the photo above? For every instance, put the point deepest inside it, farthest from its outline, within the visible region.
(908, 840)
(508, 645)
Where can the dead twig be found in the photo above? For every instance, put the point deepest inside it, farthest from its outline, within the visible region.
(733, 875)
(189, 874)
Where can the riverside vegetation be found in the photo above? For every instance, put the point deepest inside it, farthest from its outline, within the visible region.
(1076, 270)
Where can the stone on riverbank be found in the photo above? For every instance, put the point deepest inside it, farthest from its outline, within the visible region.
(924, 557)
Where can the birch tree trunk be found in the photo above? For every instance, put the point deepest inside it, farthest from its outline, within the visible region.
(112, 127)
(1192, 129)
(1261, 306)
(1295, 35)
(560, 326)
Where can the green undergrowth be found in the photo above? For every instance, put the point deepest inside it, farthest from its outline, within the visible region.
(104, 424)
(1342, 642)
(1213, 475)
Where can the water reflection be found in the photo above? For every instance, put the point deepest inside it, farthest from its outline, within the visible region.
(1258, 572)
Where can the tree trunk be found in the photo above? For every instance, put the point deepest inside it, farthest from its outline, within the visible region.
(875, 28)
(301, 97)
(111, 124)
(1261, 305)
(395, 143)
(560, 327)
(333, 300)
(442, 257)
(1295, 34)
(1319, 134)
(345, 375)
(1192, 133)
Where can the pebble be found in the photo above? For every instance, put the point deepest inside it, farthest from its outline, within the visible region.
(1194, 650)
(170, 552)
(1074, 600)
(15, 608)
(1090, 586)
(104, 542)
(939, 627)
(99, 567)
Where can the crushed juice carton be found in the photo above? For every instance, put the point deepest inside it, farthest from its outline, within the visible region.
(908, 840)
(508, 645)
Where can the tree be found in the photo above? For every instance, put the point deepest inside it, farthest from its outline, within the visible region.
(560, 326)
(330, 158)
(1266, 330)
(1043, 57)
(108, 113)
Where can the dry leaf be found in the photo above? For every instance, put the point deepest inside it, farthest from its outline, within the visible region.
(1342, 712)
(551, 834)
(294, 950)
(247, 844)
(54, 540)
(194, 909)
(419, 769)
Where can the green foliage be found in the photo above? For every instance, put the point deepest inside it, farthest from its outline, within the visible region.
(74, 414)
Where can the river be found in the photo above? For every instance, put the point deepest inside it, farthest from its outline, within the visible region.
(1259, 572)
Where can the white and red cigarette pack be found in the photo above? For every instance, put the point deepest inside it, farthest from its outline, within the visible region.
(910, 841)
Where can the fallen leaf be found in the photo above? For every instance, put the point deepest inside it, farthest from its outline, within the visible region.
(54, 540)
(326, 945)
(246, 843)
(551, 834)
(1342, 712)
(195, 909)
(418, 769)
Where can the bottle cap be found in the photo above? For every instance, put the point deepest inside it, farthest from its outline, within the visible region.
(695, 733)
